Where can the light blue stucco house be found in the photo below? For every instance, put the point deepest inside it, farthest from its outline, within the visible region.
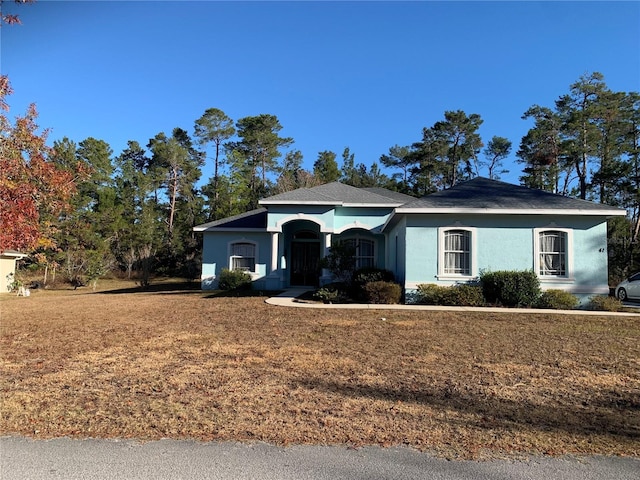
(444, 238)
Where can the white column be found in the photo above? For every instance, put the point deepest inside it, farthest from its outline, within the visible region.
(274, 252)
(326, 275)
(327, 244)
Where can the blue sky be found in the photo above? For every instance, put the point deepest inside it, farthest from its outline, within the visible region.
(367, 75)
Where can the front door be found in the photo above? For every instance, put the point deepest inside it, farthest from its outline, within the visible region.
(305, 263)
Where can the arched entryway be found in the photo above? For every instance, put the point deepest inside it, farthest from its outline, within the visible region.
(305, 258)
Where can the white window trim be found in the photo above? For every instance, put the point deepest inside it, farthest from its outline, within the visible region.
(231, 257)
(357, 237)
(473, 267)
(569, 276)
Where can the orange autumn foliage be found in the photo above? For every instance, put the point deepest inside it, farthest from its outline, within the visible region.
(32, 188)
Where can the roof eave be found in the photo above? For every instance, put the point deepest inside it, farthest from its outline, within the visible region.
(516, 211)
(228, 229)
(297, 202)
(11, 253)
(373, 205)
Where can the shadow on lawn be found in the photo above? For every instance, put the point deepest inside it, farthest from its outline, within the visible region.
(189, 288)
(242, 293)
(168, 287)
(612, 414)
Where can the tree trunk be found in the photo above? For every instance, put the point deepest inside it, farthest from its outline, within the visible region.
(174, 195)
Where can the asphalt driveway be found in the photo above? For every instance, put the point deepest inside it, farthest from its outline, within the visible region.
(22, 459)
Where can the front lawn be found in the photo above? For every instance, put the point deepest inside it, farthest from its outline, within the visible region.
(181, 363)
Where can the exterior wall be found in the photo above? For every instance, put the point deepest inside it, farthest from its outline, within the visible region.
(364, 218)
(331, 219)
(280, 215)
(331, 223)
(215, 256)
(7, 270)
(507, 243)
(284, 221)
(397, 250)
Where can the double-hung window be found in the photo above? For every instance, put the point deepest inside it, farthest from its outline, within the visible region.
(552, 258)
(456, 252)
(243, 256)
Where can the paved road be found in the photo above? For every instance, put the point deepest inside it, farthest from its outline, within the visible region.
(22, 459)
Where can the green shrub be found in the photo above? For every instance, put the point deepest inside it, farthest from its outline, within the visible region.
(366, 275)
(557, 299)
(332, 293)
(511, 288)
(605, 303)
(381, 292)
(463, 295)
(431, 294)
(372, 274)
(340, 261)
(466, 295)
(234, 280)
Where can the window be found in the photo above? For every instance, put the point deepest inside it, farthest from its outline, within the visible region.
(243, 256)
(365, 256)
(552, 248)
(457, 252)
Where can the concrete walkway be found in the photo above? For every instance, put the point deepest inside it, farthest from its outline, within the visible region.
(289, 298)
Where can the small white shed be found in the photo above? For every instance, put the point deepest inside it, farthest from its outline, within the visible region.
(8, 260)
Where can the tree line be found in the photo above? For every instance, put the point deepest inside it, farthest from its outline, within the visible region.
(80, 209)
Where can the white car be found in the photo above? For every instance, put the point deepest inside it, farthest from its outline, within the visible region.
(630, 288)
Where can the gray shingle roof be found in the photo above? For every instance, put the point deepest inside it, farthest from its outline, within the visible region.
(245, 221)
(335, 193)
(485, 194)
(480, 195)
(397, 196)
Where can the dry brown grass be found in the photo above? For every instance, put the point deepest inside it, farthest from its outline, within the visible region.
(184, 364)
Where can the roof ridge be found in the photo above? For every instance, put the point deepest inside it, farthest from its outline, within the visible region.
(336, 193)
(360, 190)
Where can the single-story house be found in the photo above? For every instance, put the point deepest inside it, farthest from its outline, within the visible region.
(444, 238)
(8, 260)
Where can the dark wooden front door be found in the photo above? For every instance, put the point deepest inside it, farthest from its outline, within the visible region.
(305, 263)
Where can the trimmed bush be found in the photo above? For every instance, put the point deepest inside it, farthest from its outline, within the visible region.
(466, 295)
(604, 303)
(234, 280)
(366, 275)
(382, 292)
(557, 299)
(463, 295)
(511, 288)
(431, 294)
